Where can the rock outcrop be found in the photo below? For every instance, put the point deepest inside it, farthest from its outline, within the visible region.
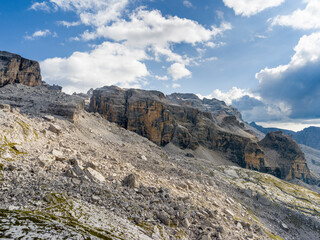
(41, 100)
(16, 69)
(186, 124)
(284, 158)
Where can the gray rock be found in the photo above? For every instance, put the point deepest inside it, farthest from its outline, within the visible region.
(49, 118)
(55, 128)
(5, 107)
(129, 181)
(164, 218)
(185, 223)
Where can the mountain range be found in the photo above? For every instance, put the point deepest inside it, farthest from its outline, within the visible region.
(135, 164)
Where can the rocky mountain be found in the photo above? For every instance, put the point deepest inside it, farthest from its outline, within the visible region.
(16, 69)
(66, 173)
(309, 136)
(188, 122)
(284, 156)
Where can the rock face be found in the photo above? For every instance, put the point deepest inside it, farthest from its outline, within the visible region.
(186, 123)
(16, 69)
(218, 108)
(189, 122)
(284, 158)
(41, 101)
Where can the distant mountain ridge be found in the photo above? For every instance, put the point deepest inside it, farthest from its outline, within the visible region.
(309, 136)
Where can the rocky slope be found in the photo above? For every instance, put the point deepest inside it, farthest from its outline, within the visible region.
(69, 174)
(89, 178)
(188, 122)
(16, 69)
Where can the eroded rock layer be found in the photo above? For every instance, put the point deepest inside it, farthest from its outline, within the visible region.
(163, 120)
(188, 122)
(16, 69)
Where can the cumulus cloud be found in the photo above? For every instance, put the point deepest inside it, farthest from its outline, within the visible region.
(248, 8)
(107, 64)
(308, 18)
(296, 84)
(178, 71)
(151, 28)
(90, 12)
(39, 34)
(140, 30)
(231, 95)
(42, 6)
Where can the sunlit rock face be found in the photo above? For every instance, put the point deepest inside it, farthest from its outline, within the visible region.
(180, 119)
(16, 69)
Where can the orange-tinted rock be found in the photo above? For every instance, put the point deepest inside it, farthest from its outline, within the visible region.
(16, 69)
(180, 119)
(152, 115)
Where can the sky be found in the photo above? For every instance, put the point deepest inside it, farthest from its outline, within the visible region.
(261, 56)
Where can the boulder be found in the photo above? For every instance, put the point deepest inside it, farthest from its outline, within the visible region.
(129, 181)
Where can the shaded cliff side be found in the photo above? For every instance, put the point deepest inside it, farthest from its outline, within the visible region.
(16, 69)
(283, 157)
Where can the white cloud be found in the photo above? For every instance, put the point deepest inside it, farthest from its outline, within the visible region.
(90, 12)
(150, 28)
(162, 78)
(248, 8)
(42, 6)
(233, 94)
(142, 31)
(176, 85)
(308, 18)
(187, 3)
(178, 70)
(107, 64)
(307, 51)
(38, 34)
(69, 24)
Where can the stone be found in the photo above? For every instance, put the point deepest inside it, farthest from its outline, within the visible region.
(95, 198)
(55, 128)
(163, 218)
(284, 226)
(143, 157)
(94, 175)
(49, 118)
(185, 223)
(228, 212)
(76, 181)
(206, 236)
(58, 155)
(16, 69)
(129, 181)
(5, 107)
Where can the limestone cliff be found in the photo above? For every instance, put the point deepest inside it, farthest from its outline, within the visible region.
(163, 120)
(16, 69)
(283, 157)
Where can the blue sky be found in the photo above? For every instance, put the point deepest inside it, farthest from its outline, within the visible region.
(261, 56)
